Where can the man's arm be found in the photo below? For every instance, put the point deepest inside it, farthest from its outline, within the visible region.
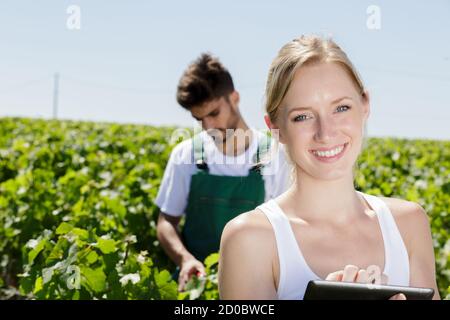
(172, 200)
(170, 239)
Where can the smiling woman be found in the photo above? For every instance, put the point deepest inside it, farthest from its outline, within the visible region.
(331, 124)
(322, 228)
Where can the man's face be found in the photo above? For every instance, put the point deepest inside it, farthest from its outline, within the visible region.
(218, 115)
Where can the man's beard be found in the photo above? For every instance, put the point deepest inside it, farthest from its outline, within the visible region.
(229, 131)
(232, 126)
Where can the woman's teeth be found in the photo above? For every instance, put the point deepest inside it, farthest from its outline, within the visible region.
(329, 153)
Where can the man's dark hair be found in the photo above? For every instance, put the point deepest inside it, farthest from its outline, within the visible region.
(204, 80)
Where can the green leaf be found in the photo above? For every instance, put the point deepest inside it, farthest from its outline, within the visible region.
(81, 233)
(211, 260)
(64, 228)
(38, 285)
(106, 245)
(116, 207)
(36, 250)
(76, 295)
(93, 279)
(92, 257)
(166, 286)
(57, 253)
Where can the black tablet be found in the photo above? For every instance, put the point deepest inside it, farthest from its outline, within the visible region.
(333, 290)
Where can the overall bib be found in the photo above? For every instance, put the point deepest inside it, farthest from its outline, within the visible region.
(215, 199)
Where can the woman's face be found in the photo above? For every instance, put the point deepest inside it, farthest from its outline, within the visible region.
(322, 121)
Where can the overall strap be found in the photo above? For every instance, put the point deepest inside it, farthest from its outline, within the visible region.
(264, 143)
(199, 154)
(396, 253)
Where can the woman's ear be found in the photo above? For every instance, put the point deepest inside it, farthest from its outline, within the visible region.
(267, 121)
(275, 130)
(366, 104)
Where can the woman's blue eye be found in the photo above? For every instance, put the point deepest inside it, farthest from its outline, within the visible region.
(304, 117)
(342, 108)
(301, 117)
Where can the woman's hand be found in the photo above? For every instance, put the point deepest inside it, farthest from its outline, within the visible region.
(370, 275)
(352, 273)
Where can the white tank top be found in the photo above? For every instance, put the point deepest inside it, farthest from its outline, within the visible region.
(295, 273)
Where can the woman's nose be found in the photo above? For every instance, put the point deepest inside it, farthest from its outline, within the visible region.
(326, 130)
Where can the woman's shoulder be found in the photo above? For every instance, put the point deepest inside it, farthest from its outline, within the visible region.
(251, 224)
(410, 217)
(405, 210)
(249, 233)
(247, 255)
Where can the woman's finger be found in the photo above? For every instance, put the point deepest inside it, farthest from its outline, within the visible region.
(398, 296)
(335, 276)
(362, 276)
(374, 274)
(350, 272)
(384, 279)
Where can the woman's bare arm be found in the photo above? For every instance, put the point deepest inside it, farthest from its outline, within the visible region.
(422, 261)
(245, 264)
(414, 226)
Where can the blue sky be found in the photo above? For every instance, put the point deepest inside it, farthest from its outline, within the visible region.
(124, 63)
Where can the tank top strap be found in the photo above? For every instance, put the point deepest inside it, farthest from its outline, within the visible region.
(396, 254)
(294, 272)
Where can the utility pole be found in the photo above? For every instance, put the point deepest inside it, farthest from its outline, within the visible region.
(55, 95)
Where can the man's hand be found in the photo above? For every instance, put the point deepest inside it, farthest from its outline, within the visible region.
(189, 266)
(371, 275)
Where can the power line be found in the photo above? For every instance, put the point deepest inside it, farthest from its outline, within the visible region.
(142, 91)
(19, 86)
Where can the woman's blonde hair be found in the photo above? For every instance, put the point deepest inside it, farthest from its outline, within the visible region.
(302, 51)
(299, 52)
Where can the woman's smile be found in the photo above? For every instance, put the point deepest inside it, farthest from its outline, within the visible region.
(329, 155)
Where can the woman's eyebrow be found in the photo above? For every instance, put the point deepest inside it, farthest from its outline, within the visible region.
(340, 99)
(299, 109)
(310, 108)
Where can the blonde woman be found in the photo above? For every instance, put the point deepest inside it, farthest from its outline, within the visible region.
(322, 228)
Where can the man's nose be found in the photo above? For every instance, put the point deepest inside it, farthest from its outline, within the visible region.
(208, 123)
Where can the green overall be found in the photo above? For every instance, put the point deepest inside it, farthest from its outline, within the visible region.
(214, 200)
